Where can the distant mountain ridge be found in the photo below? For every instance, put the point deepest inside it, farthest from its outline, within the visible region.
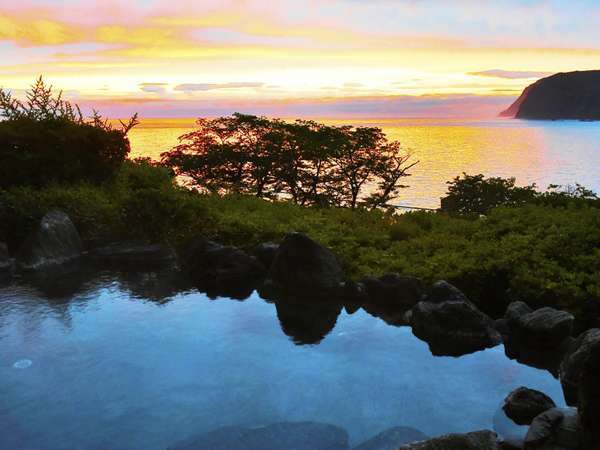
(571, 95)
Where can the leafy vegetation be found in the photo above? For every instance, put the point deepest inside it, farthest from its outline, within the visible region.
(304, 161)
(545, 254)
(475, 194)
(46, 139)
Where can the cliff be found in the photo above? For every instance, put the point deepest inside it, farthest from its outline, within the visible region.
(573, 95)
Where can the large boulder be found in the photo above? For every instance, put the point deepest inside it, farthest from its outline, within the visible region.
(523, 405)
(279, 436)
(544, 328)
(589, 399)
(555, 429)
(477, 440)
(392, 438)
(394, 290)
(134, 253)
(455, 327)
(302, 266)
(54, 241)
(265, 252)
(221, 270)
(306, 322)
(572, 365)
(442, 291)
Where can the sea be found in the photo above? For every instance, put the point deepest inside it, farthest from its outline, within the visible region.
(540, 152)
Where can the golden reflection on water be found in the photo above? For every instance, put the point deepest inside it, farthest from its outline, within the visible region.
(540, 152)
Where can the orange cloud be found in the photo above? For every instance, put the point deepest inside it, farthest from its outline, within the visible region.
(29, 32)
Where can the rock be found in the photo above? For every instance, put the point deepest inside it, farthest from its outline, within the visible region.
(5, 261)
(477, 440)
(547, 359)
(555, 429)
(221, 270)
(572, 95)
(453, 328)
(54, 241)
(572, 365)
(265, 253)
(301, 265)
(393, 438)
(442, 291)
(394, 290)
(136, 253)
(306, 322)
(515, 311)
(589, 399)
(279, 436)
(523, 405)
(544, 328)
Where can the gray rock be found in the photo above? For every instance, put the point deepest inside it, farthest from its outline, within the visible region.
(453, 328)
(301, 265)
(544, 328)
(523, 404)
(555, 429)
(515, 311)
(393, 438)
(442, 291)
(137, 253)
(394, 290)
(589, 399)
(572, 365)
(279, 436)
(54, 241)
(477, 440)
(221, 270)
(265, 253)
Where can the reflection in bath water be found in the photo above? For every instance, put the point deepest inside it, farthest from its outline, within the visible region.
(133, 361)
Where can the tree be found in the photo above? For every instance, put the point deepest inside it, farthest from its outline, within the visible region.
(307, 162)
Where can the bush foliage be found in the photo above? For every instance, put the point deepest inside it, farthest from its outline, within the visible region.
(46, 140)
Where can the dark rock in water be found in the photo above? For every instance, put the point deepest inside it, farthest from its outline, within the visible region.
(544, 328)
(301, 265)
(265, 253)
(307, 322)
(5, 261)
(589, 399)
(54, 241)
(572, 95)
(453, 328)
(546, 359)
(442, 291)
(572, 364)
(555, 429)
(523, 405)
(221, 270)
(393, 438)
(353, 293)
(515, 311)
(477, 440)
(279, 436)
(137, 253)
(394, 290)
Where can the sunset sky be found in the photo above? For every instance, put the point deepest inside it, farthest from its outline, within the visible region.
(295, 57)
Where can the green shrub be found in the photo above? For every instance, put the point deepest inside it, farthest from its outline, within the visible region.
(46, 140)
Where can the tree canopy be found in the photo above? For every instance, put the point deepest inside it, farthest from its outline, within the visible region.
(308, 162)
